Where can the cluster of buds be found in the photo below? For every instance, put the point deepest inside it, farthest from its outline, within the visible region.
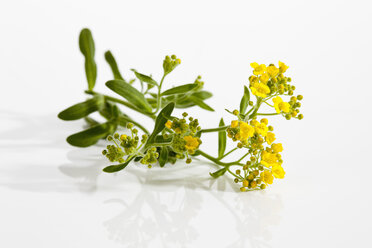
(251, 180)
(124, 145)
(185, 141)
(151, 157)
(269, 81)
(199, 82)
(170, 63)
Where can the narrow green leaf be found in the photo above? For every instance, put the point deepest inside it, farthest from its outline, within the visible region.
(130, 93)
(117, 167)
(163, 157)
(82, 109)
(201, 104)
(90, 136)
(145, 78)
(218, 173)
(203, 95)
(114, 66)
(86, 44)
(179, 89)
(245, 100)
(159, 139)
(160, 121)
(221, 140)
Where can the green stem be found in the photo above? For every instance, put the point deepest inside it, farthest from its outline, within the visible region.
(268, 104)
(258, 104)
(213, 129)
(227, 153)
(216, 160)
(158, 102)
(136, 124)
(232, 173)
(267, 114)
(243, 157)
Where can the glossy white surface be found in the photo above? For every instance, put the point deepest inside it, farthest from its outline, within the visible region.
(55, 195)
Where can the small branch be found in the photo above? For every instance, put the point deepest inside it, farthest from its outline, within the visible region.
(268, 114)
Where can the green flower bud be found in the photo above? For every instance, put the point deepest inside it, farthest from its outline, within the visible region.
(300, 97)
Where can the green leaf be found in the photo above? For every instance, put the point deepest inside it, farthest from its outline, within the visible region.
(179, 89)
(163, 157)
(117, 167)
(86, 44)
(160, 121)
(221, 140)
(203, 95)
(82, 109)
(245, 100)
(218, 173)
(159, 139)
(145, 78)
(90, 136)
(114, 66)
(201, 104)
(130, 93)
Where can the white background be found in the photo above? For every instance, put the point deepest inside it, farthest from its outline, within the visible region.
(55, 195)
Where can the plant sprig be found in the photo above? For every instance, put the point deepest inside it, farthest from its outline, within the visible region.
(173, 138)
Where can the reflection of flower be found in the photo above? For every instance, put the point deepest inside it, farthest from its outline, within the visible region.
(163, 216)
(149, 217)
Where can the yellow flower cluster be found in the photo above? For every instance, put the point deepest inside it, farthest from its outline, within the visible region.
(184, 141)
(265, 162)
(243, 131)
(264, 77)
(192, 143)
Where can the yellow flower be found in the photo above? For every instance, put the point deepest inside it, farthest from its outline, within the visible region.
(234, 124)
(270, 137)
(192, 143)
(168, 124)
(253, 79)
(282, 67)
(261, 128)
(264, 120)
(267, 177)
(269, 159)
(272, 70)
(254, 65)
(260, 90)
(246, 131)
(279, 105)
(277, 147)
(264, 78)
(278, 171)
(258, 69)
